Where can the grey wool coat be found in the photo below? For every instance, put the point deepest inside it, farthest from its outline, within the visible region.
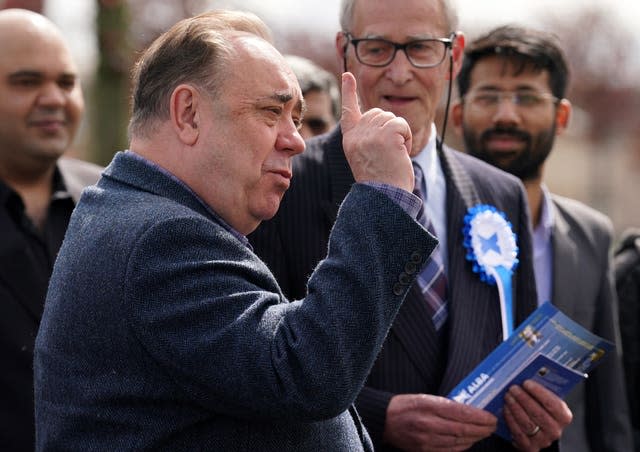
(162, 330)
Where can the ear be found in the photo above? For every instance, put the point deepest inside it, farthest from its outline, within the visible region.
(563, 114)
(457, 109)
(341, 47)
(457, 53)
(184, 113)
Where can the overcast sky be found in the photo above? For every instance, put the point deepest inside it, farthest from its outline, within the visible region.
(76, 16)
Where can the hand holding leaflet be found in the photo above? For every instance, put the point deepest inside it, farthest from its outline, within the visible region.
(548, 347)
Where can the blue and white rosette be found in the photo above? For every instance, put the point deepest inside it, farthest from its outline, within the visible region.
(492, 249)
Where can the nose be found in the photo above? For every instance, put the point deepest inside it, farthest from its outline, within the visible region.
(506, 112)
(289, 139)
(400, 70)
(52, 96)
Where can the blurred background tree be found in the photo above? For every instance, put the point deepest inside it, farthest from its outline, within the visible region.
(108, 109)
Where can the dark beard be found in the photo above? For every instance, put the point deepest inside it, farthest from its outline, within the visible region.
(526, 165)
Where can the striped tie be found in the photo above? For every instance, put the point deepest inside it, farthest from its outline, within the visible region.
(432, 280)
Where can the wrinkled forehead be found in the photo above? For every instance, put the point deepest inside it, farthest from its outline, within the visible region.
(410, 18)
(255, 63)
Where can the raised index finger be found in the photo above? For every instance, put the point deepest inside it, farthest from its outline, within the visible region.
(350, 110)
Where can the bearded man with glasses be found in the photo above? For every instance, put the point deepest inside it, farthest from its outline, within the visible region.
(512, 105)
(404, 54)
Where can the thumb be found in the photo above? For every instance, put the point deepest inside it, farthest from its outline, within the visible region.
(350, 110)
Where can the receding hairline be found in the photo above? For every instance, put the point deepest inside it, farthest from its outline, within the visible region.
(241, 42)
(449, 11)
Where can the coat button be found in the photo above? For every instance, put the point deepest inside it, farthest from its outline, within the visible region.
(416, 257)
(398, 289)
(404, 279)
(410, 267)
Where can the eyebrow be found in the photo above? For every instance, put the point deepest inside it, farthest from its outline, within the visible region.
(25, 73)
(498, 88)
(283, 98)
(32, 73)
(406, 38)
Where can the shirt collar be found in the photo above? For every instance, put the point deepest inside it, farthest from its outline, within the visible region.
(428, 157)
(59, 189)
(545, 225)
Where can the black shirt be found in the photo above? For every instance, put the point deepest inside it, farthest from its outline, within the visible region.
(40, 245)
(27, 255)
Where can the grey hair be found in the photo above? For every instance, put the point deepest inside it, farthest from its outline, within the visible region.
(347, 7)
(194, 51)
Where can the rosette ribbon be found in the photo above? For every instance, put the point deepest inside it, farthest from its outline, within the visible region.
(493, 252)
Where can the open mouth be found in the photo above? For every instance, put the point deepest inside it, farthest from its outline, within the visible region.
(399, 100)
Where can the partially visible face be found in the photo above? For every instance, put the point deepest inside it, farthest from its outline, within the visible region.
(410, 92)
(515, 138)
(253, 135)
(42, 103)
(318, 117)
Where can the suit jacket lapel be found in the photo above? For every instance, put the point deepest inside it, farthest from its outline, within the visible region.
(565, 261)
(413, 325)
(471, 302)
(458, 179)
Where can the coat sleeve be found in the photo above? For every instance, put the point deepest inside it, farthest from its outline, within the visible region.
(211, 315)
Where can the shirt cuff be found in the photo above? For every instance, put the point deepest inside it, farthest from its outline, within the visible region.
(409, 202)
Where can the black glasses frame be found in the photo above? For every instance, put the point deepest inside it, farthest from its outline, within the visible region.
(448, 43)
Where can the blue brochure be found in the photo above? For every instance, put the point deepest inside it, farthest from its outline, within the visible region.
(547, 347)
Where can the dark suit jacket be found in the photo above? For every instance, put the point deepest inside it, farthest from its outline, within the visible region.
(162, 330)
(413, 360)
(583, 289)
(627, 275)
(22, 293)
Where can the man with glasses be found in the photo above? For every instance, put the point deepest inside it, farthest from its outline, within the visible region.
(404, 54)
(512, 87)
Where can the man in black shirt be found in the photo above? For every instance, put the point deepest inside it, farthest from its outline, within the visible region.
(40, 112)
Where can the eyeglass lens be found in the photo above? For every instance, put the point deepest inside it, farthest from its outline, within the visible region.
(380, 52)
(491, 99)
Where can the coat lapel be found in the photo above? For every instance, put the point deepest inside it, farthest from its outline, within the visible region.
(565, 261)
(473, 310)
(130, 169)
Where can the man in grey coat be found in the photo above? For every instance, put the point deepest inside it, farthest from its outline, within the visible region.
(512, 87)
(162, 329)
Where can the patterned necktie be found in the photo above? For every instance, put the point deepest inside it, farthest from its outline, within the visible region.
(432, 280)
